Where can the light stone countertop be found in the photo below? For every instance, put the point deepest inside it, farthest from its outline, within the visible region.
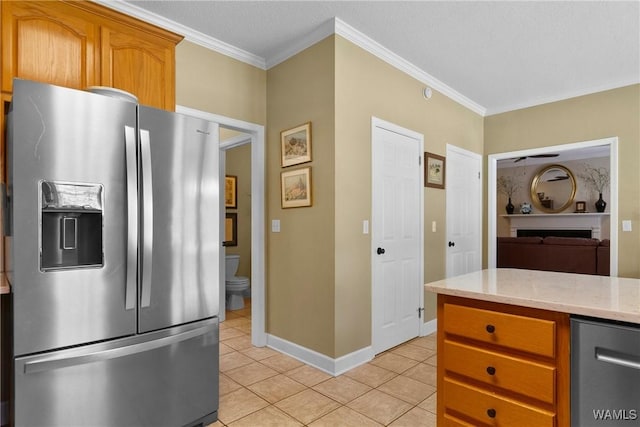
(604, 297)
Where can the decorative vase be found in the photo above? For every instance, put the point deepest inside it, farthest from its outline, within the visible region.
(509, 207)
(600, 204)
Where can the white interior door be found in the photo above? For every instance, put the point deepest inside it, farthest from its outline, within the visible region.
(464, 211)
(397, 237)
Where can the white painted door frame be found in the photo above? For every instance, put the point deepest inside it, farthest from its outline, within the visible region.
(379, 123)
(258, 247)
(492, 166)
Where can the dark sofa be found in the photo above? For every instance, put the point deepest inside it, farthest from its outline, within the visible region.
(564, 254)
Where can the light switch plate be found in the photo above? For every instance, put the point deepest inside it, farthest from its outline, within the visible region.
(275, 225)
(365, 227)
(626, 225)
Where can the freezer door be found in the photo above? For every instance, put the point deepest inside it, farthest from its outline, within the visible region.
(165, 378)
(180, 240)
(69, 217)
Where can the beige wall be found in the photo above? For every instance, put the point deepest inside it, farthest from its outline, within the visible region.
(300, 278)
(215, 83)
(319, 292)
(605, 114)
(367, 86)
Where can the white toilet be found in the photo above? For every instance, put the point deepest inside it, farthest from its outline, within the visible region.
(235, 286)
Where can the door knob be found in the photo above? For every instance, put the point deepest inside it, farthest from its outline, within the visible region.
(452, 244)
(380, 251)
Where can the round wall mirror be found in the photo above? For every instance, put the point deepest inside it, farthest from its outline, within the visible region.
(553, 189)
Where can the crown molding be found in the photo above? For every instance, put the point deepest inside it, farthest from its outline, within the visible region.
(562, 96)
(356, 37)
(188, 33)
(325, 29)
(341, 28)
(331, 26)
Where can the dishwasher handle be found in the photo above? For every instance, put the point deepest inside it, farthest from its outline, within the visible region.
(618, 358)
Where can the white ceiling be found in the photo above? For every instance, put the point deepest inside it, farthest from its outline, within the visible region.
(497, 55)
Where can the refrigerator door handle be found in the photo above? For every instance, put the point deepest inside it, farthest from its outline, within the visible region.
(132, 216)
(59, 362)
(147, 225)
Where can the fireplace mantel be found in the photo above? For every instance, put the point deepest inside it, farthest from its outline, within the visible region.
(569, 221)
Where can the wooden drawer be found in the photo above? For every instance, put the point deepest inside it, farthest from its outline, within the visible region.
(450, 421)
(521, 376)
(492, 409)
(521, 333)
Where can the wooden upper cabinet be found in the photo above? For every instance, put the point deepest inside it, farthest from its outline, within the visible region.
(138, 64)
(79, 44)
(51, 42)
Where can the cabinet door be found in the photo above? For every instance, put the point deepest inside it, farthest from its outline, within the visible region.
(50, 42)
(140, 64)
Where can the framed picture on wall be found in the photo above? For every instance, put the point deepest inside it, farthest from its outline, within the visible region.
(296, 145)
(231, 229)
(434, 170)
(231, 192)
(296, 188)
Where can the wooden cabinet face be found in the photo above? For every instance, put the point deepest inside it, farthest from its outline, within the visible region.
(139, 66)
(501, 364)
(78, 44)
(50, 42)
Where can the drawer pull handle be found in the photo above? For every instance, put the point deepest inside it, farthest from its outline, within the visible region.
(490, 328)
(491, 413)
(491, 370)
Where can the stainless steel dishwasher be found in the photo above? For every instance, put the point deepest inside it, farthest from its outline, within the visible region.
(605, 373)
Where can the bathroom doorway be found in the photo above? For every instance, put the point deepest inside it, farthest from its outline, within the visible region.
(235, 165)
(240, 133)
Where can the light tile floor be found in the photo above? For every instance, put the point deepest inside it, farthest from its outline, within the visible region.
(262, 387)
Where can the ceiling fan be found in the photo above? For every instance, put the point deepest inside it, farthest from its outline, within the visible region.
(558, 178)
(535, 156)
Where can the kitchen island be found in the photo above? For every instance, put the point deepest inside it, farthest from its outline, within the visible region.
(504, 342)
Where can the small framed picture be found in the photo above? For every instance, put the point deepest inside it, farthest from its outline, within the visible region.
(296, 145)
(434, 168)
(231, 229)
(231, 192)
(296, 188)
(581, 207)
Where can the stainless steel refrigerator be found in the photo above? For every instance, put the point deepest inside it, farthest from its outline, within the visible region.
(113, 237)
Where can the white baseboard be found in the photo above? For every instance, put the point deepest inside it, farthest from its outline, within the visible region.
(323, 362)
(429, 327)
(347, 362)
(327, 364)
